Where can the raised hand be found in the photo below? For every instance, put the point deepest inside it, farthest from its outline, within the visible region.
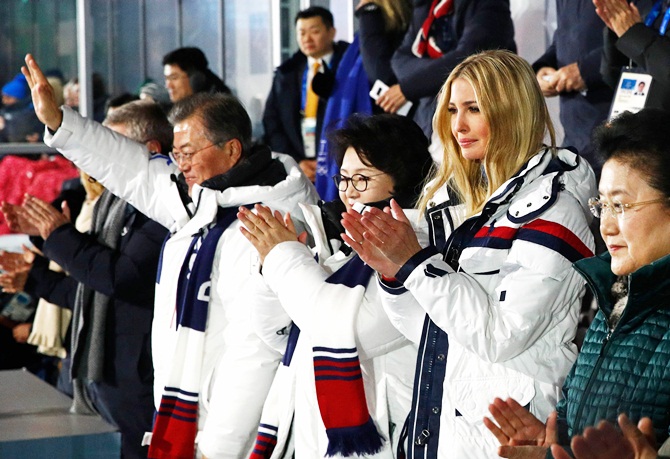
(265, 229)
(12, 261)
(618, 15)
(44, 216)
(390, 232)
(44, 101)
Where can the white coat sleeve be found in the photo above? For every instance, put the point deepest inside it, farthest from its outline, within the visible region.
(299, 281)
(270, 321)
(534, 289)
(402, 309)
(123, 166)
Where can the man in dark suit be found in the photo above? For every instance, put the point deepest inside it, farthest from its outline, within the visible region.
(570, 69)
(293, 115)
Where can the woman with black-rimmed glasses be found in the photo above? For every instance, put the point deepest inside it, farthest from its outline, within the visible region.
(344, 389)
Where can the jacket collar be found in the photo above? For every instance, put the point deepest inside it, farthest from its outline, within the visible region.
(577, 177)
(649, 287)
(256, 168)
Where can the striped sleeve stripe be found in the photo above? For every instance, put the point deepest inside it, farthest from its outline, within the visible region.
(496, 238)
(334, 350)
(555, 237)
(266, 440)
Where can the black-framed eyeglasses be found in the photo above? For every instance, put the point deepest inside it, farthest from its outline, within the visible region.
(616, 209)
(358, 181)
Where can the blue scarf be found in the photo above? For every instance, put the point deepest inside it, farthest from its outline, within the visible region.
(351, 95)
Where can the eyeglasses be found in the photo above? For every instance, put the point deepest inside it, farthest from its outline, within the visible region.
(175, 76)
(616, 209)
(358, 181)
(182, 158)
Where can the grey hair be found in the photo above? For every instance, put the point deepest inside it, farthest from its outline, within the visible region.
(145, 120)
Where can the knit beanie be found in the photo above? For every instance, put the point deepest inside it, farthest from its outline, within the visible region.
(157, 92)
(17, 88)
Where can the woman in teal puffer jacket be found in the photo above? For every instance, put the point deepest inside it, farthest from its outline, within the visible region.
(624, 364)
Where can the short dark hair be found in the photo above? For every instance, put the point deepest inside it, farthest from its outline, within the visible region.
(222, 116)
(314, 11)
(189, 59)
(640, 140)
(145, 121)
(391, 143)
(119, 100)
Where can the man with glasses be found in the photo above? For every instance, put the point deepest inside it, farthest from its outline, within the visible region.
(211, 371)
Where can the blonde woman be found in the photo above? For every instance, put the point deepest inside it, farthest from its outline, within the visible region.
(493, 300)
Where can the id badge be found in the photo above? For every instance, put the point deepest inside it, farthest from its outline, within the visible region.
(309, 137)
(631, 93)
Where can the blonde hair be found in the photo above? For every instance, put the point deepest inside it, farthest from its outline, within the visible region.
(92, 186)
(397, 14)
(57, 86)
(512, 103)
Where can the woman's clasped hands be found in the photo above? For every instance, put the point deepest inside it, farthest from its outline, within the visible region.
(385, 240)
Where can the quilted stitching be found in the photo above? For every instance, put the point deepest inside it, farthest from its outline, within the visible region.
(634, 376)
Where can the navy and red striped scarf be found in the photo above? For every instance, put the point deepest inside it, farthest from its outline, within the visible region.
(424, 43)
(337, 373)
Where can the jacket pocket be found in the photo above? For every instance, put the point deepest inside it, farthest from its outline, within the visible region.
(472, 397)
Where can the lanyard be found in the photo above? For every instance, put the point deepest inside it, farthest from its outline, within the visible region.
(303, 97)
(653, 15)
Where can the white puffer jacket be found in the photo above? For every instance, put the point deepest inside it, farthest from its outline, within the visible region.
(503, 325)
(238, 367)
(387, 359)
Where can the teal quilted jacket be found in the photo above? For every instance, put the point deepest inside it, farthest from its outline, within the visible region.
(625, 370)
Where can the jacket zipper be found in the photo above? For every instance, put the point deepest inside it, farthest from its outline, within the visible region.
(605, 345)
(416, 408)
